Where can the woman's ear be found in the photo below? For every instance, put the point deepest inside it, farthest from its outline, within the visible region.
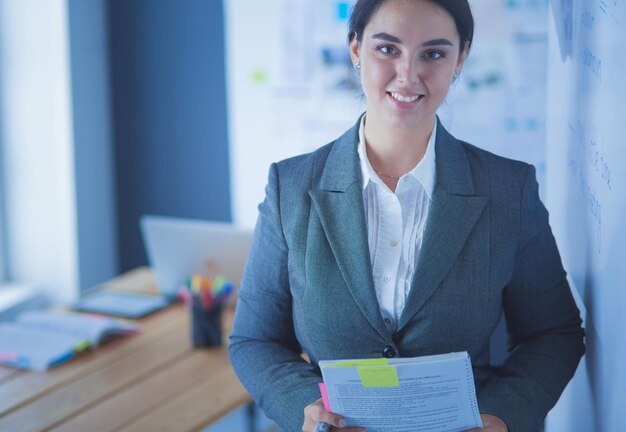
(355, 50)
(461, 61)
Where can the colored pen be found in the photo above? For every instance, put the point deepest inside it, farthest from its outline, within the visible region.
(322, 427)
(184, 294)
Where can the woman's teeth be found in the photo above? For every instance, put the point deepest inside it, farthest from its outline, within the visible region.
(401, 98)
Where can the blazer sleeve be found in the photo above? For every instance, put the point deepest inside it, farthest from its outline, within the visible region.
(263, 347)
(544, 325)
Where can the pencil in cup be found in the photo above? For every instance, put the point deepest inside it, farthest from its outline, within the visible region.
(205, 298)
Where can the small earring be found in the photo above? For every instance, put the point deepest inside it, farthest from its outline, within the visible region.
(357, 66)
(455, 76)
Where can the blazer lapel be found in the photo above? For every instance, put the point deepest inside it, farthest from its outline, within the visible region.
(454, 211)
(339, 204)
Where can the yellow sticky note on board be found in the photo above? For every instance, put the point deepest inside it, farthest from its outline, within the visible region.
(364, 362)
(378, 376)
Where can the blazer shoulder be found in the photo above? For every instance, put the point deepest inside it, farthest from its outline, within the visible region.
(304, 170)
(479, 155)
(498, 171)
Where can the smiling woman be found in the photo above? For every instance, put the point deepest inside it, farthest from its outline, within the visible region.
(399, 240)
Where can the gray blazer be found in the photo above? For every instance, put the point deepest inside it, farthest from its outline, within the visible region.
(487, 248)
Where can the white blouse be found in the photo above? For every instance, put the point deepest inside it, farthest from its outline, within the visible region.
(395, 225)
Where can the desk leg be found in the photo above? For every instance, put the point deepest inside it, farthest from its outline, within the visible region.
(251, 411)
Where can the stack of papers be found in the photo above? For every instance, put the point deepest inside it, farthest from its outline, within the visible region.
(40, 339)
(419, 394)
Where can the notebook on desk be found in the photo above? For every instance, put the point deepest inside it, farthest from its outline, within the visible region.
(37, 340)
(121, 303)
(176, 249)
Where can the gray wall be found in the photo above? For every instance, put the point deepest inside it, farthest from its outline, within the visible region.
(169, 114)
(93, 153)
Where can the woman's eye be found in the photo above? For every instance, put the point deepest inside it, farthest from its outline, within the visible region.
(387, 49)
(434, 55)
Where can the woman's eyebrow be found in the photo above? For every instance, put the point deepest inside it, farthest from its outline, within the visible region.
(387, 37)
(433, 42)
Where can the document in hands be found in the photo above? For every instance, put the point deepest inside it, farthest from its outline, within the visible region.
(419, 394)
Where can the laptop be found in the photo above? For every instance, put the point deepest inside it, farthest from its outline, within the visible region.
(176, 248)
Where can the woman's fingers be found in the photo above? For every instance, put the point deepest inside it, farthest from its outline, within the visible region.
(315, 413)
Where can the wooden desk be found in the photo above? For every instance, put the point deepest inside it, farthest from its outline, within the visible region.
(146, 382)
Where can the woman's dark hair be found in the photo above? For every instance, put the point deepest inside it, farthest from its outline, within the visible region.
(459, 10)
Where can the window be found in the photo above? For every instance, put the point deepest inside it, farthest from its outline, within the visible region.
(3, 251)
(2, 229)
(3, 247)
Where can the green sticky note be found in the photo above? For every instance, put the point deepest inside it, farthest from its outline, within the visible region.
(378, 376)
(364, 362)
(259, 76)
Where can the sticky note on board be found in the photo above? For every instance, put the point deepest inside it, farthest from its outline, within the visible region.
(378, 376)
(343, 10)
(259, 77)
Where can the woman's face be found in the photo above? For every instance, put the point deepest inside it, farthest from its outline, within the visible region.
(408, 54)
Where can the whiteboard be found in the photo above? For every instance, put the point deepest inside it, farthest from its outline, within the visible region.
(291, 87)
(586, 196)
(499, 102)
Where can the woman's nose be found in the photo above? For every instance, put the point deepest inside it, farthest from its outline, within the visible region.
(407, 71)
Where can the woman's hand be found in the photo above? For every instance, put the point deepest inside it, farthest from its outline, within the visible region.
(315, 413)
(491, 423)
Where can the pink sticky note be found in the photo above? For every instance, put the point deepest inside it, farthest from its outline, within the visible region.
(325, 397)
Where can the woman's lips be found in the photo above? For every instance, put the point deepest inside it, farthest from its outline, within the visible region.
(405, 101)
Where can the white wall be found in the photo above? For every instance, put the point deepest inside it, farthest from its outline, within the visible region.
(56, 137)
(37, 139)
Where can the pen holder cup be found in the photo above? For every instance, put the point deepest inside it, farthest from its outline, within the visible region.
(206, 326)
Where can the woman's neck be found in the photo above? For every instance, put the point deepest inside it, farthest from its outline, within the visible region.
(393, 151)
